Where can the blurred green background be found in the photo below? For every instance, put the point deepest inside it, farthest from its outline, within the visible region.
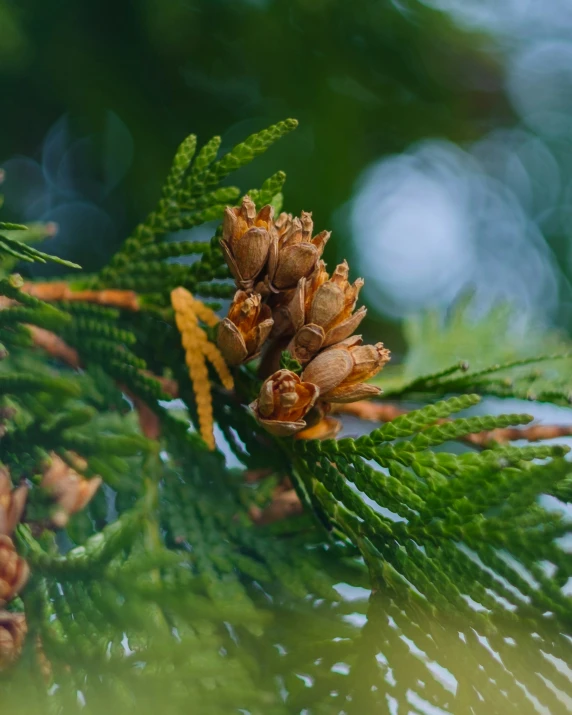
(434, 136)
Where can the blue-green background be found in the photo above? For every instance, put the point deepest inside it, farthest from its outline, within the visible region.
(427, 98)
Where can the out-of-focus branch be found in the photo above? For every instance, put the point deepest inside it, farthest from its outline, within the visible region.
(251, 476)
(511, 434)
(60, 290)
(148, 420)
(285, 503)
(370, 411)
(54, 346)
(58, 348)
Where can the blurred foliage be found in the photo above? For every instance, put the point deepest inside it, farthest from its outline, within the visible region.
(364, 80)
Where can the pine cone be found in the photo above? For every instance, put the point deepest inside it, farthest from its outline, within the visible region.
(13, 629)
(14, 571)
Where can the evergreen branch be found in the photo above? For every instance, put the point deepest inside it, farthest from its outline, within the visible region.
(88, 310)
(381, 412)
(481, 381)
(43, 317)
(161, 251)
(181, 163)
(461, 428)
(248, 150)
(204, 159)
(269, 189)
(14, 383)
(408, 424)
(85, 326)
(95, 554)
(222, 196)
(23, 252)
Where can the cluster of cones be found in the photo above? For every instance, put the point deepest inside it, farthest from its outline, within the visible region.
(286, 300)
(70, 493)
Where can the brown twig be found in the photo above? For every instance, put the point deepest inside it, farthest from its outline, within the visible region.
(60, 290)
(54, 346)
(370, 411)
(510, 434)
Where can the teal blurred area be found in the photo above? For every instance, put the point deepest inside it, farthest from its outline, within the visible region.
(434, 136)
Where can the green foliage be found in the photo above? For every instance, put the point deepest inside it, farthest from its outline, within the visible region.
(287, 362)
(164, 584)
(486, 501)
(191, 196)
(15, 248)
(270, 191)
(493, 355)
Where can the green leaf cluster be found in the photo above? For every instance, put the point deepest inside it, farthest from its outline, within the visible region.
(164, 584)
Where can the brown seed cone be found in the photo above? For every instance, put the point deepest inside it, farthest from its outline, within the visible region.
(322, 311)
(243, 332)
(13, 629)
(283, 401)
(246, 240)
(12, 503)
(294, 254)
(14, 571)
(341, 370)
(70, 490)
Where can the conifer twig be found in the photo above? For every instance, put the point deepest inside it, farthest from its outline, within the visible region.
(536, 433)
(379, 412)
(60, 290)
(54, 346)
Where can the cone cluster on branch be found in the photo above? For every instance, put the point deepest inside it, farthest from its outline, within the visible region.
(14, 570)
(287, 300)
(70, 492)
